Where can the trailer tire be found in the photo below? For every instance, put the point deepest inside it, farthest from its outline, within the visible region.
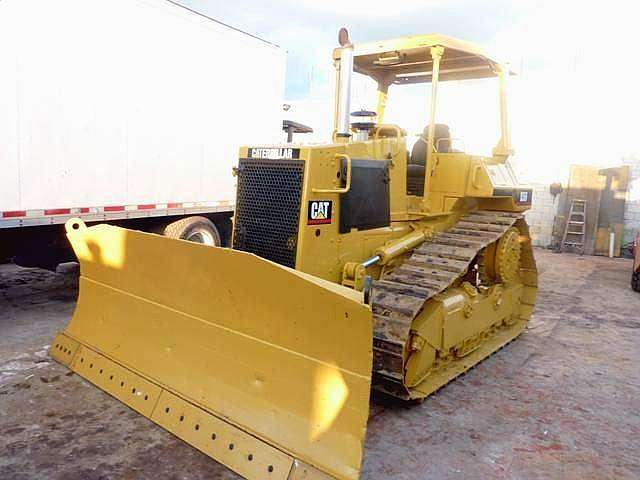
(635, 281)
(194, 229)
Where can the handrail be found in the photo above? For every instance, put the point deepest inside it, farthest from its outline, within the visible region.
(347, 187)
(387, 126)
(474, 176)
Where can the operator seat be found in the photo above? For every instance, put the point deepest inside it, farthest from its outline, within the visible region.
(416, 165)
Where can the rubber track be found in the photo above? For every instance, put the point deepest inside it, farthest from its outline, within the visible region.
(434, 266)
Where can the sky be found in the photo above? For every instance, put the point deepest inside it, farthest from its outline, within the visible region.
(575, 99)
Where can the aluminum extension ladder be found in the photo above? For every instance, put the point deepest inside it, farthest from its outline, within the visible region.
(575, 228)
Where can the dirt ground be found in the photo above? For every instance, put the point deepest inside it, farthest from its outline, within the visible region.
(561, 402)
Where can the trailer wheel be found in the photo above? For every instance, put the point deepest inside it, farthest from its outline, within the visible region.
(635, 281)
(194, 229)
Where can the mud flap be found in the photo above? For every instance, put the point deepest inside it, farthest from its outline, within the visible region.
(264, 368)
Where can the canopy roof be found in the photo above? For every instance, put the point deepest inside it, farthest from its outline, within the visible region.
(408, 59)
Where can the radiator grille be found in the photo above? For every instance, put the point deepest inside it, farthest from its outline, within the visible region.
(268, 208)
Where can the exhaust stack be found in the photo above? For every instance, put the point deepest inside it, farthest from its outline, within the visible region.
(343, 87)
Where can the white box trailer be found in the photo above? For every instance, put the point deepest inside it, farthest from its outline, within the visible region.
(125, 111)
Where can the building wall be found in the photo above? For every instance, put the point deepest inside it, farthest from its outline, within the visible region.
(632, 205)
(545, 208)
(541, 215)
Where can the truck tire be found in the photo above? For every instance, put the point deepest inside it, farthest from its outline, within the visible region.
(194, 229)
(635, 281)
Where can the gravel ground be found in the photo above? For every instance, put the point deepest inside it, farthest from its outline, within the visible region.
(562, 401)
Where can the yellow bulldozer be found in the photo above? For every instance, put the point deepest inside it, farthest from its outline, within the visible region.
(357, 265)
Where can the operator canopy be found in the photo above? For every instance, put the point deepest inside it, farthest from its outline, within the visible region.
(431, 58)
(408, 60)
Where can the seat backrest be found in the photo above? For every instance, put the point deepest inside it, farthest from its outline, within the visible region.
(418, 158)
(419, 152)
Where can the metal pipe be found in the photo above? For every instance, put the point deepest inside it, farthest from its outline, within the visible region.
(371, 261)
(400, 246)
(612, 243)
(436, 55)
(343, 91)
(504, 145)
(383, 95)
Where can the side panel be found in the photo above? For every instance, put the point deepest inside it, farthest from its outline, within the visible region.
(129, 102)
(366, 206)
(9, 107)
(322, 249)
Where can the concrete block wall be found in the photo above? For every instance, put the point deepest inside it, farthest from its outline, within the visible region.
(541, 215)
(544, 208)
(632, 205)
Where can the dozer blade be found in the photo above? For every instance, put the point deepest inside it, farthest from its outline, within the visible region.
(263, 368)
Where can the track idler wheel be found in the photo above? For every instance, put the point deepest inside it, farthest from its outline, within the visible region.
(500, 262)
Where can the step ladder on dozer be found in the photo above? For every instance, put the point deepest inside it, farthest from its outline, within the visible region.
(575, 228)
